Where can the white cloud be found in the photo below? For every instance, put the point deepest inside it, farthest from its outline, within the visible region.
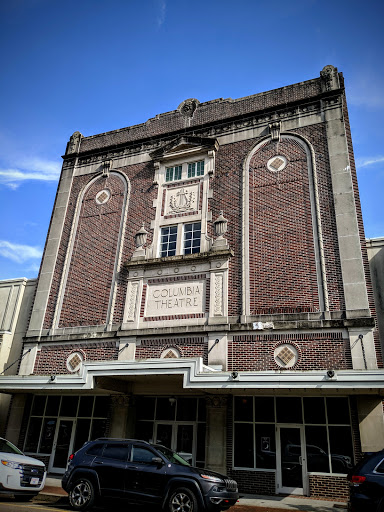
(33, 169)
(161, 16)
(366, 161)
(19, 252)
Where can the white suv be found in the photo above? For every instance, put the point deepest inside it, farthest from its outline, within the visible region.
(22, 476)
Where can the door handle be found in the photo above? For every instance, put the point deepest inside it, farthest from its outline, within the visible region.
(98, 462)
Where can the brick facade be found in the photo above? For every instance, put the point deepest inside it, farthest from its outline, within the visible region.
(279, 224)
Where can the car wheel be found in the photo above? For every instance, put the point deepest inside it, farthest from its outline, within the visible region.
(23, 497)
(82, 494)
(182, 500)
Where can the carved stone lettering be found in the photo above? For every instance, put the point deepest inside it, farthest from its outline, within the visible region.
(175, 298)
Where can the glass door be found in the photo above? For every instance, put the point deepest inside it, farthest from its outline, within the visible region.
(62, 445)
(291, 460)
(179, 437)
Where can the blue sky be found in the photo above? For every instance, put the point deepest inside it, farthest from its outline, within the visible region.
(98, 65)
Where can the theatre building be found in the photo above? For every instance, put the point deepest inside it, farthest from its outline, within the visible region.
(205, 284)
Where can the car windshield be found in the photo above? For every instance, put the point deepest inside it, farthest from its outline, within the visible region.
(173, 457)
(7, 447)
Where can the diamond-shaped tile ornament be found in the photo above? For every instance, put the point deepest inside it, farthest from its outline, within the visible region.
(103, 196)
(74, 361)
(277, 163)
(286, 356)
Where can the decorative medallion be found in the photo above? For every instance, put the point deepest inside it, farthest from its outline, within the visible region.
(182, 200)
(170, 353)
(277, 163)
(286, 355)
(74, 361)
(187, 108)
(103, 196)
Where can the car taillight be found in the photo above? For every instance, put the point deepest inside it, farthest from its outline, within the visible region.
(71, 457)
(357, 479)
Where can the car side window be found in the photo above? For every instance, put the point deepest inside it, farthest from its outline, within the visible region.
(142, 455)
(117, 451)
(95, 449)
(380, 467)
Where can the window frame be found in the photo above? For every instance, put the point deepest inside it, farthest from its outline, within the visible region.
(192, 238)
(161, 243)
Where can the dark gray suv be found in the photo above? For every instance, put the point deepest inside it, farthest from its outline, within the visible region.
(144, 473)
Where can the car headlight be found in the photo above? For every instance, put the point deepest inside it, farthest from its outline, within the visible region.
(10, 464)
(212, 478)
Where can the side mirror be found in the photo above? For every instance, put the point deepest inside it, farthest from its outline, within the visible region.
(157, 460)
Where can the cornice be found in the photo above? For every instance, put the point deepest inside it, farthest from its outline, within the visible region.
(260, 118)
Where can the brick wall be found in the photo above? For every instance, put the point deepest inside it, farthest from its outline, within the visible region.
(282, 257)
(187, 346)
(87, 293)
(227, 192)
(316, 351)
(330, 487)
(52, 359)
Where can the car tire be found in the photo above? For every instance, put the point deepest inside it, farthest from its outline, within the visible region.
(182, 500)
(23, 497)
(82, 494)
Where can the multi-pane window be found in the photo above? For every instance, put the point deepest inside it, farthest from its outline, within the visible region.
(91, 413)
(168, 241)
(192, 238)
(173, 173)
(196, 169)
(176, 422)
(326, 423)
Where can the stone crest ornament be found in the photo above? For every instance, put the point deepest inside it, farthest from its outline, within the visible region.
(188, 107)
(73, 145)
(329, 78)
(182, 201)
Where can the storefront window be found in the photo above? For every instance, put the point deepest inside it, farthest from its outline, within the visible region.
(340, 441)
(264, 408)
(165, 409)
(314, 410)
(33, 436)
(289, 410)
(243, 408)
(265, 446)
(243, 445)
(338, 410)
(328, 435)
(47, 411)
(317, 449)
(174, 422)
(48, 435)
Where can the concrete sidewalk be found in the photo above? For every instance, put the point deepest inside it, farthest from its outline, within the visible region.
(293, 503)
(54, 490)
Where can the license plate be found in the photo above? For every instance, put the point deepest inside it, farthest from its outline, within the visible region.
(34, 481)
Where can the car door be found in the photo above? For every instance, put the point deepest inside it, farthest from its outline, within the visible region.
(145, 479)
(110, 467)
